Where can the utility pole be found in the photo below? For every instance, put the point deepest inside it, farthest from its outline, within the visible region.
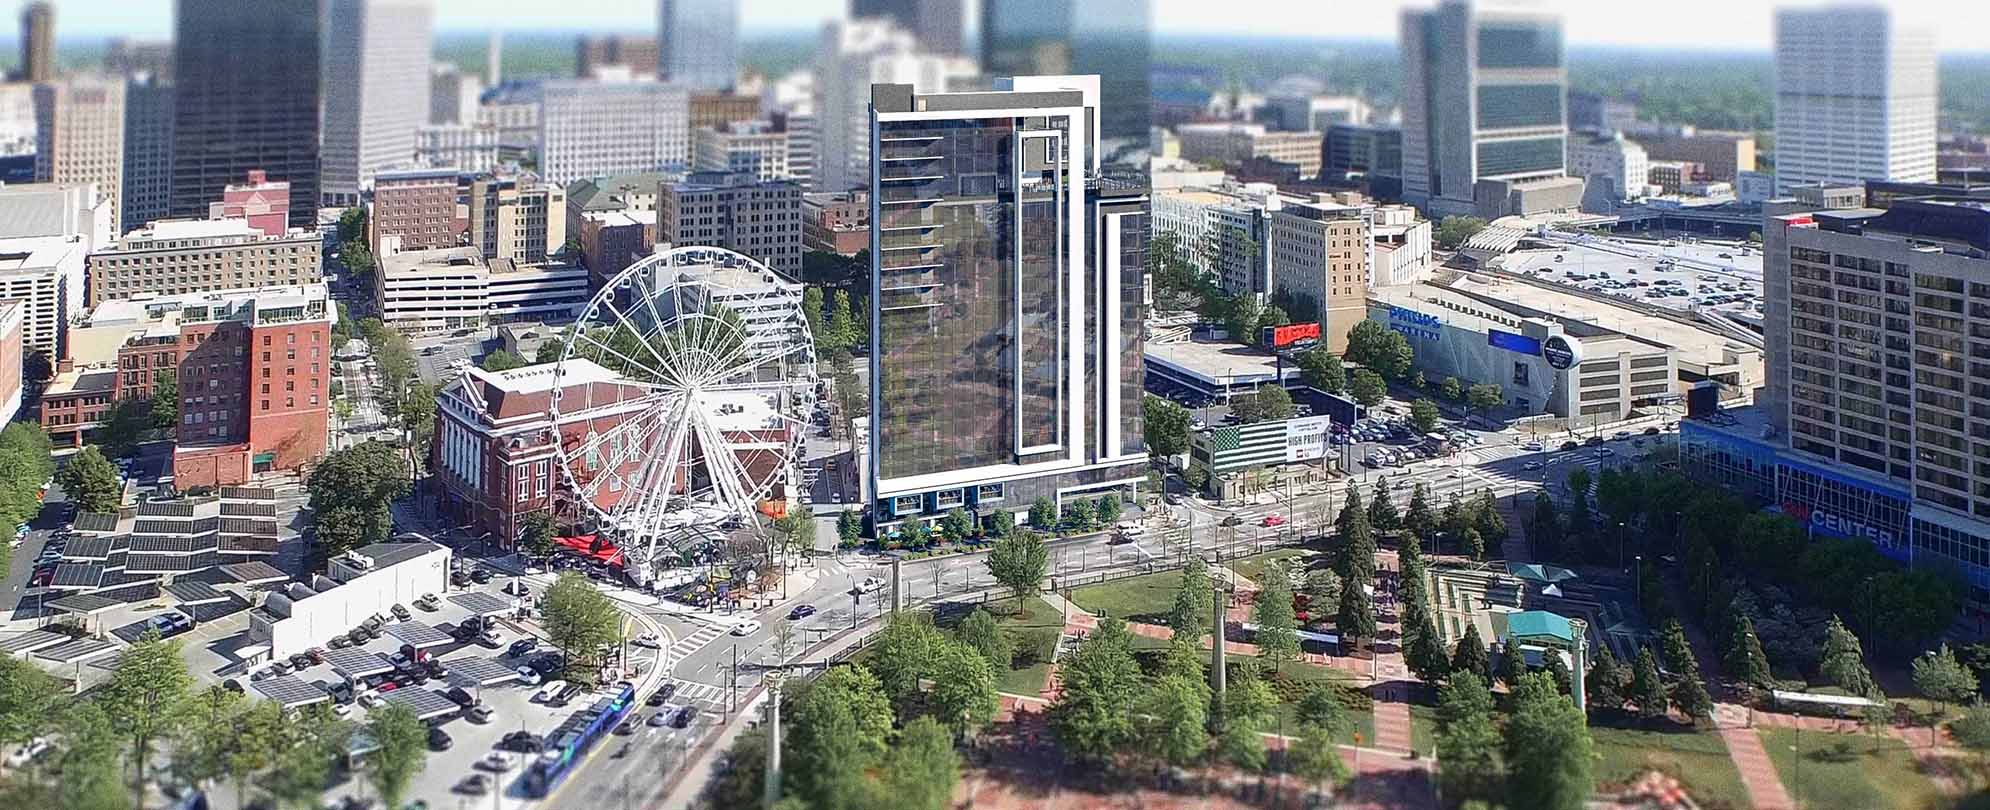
(732, 682)
(773, 786)
(1217, 677)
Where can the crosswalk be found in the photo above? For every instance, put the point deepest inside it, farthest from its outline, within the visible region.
(701, 693)
(690, 644)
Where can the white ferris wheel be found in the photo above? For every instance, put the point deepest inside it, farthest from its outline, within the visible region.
(682, 396)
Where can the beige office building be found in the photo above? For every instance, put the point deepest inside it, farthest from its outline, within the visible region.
(79, 137)
(522, 220)
(174, 256)
(1319, 252)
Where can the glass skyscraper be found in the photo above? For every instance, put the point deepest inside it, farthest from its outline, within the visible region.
(1006, 301)
(1111, 39)
(698, 44)
(247, 77)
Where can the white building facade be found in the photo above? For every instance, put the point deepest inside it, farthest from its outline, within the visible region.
(592, 128)
(851, 56)
(1855, 97)
(1612, 158)
(376, 91)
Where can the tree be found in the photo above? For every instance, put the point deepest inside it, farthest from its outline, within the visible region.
(301, 765)
(124, 425)
(1248, 703)
(1322, 370)
(1548, 750)
(1019, 562)
(1472, 544)
(1470, 654)
(350, 490)
(1380, 349)
(206, 744)
(1487, 519)
(1323, 589)
(1742, 658)
(144, 698)
(1423, 650)
(1271, 611)
(1647, 689)
(1607, 681)
(850, 528)
(1354, 556)
(536, 535)
(1423, 415)
(840, 730)
(548, 351)
(1844, 661)
(502, 360)
(1109, 509)
(1043, 514)
(1940, 677)
(1322, 722)
(352, 223)
(1689, 693)
(980, 631)
(1175, 720)
(1468, 744)
(1368, 388)
(904, 652)
(1454, 231)
(29, 700)
(1382, 516)
(1274, 403)
(1418, 520)
(1189, 617)
(1165, 426)
(1451, 389)
(579, 620)
(812, 313)
(954, 525)
(1512, 664)
(1484, 397)
(962, 696)
(1972, 729)
(1093, 715)
(89, 764)
(1078, 514)
(1356, 618)
(923, 769)
(165, 400)
(91, 481)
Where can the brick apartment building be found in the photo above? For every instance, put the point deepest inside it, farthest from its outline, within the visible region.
(265, 203)
(417, 205)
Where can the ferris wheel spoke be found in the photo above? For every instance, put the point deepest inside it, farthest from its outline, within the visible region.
(653, 496)
(622, 455)
(641, 337)
(624, 372)
(755, 362)
(627, 425)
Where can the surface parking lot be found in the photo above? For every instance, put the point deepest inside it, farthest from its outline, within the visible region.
(1673, 273)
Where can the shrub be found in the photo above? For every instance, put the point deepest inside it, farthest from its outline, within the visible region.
(1032, 647)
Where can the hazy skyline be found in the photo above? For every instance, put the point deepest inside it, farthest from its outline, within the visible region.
(1680, 24)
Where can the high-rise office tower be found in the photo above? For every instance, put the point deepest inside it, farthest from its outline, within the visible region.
(698, 44)
(148, 150)
(376, 91)
(37, 42)
(1006, 303)
(1855, 97)
(1483, 95)
(1111, 39)
(79, 136)
(247, 75)
(591, 128)
(852, 56)
(934, 24)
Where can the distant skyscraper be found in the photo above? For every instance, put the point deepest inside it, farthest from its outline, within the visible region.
(590, 128)
(1006, 303)
(376, 91)
(638, 54)
(148, 151)
(37, 42)
(852, 56)
(935, 24)
(79, 136)
(698, 43)
(246, 72)
(1855, 97)
(1107, 38)
(1483, 95)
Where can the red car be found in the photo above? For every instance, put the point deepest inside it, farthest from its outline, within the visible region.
(389, 686)
(1274, 520)
(42, 578)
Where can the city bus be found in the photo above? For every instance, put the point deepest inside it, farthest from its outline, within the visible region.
(568, 745)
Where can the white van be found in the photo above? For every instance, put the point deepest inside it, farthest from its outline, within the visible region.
(547, 691)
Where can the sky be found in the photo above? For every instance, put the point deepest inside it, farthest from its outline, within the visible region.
(1726, 25)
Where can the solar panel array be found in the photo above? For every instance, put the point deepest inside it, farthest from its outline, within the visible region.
(81, 649)
(418, 634)
(77, 575)
(479, 671)
(254, 572)
(425, 703)
(83, 603)
(99, 522)
(30, 641)
(480, 603)
(195, 592)
(290, 690)
(357, 663)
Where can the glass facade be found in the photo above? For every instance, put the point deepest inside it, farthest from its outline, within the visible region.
(1524, 156)
(1519, 105)
(1108, 38)
(1132, 314)
(1519, 44)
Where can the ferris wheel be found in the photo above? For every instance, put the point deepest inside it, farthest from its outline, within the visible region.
(681, 396)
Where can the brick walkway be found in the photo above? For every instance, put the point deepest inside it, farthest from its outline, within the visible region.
(1758, 774)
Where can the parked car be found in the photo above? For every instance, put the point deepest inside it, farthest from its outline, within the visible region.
(489, 640)
(475, 784)
(547, 692)
(460, 695)
(517, 588)
(496, 762)
(280, 667)
(528, 676)
(401, 612)
(480, 576)
(478, 712)
(429, 602)
(300, 661)
(30, 752)
(522, 741)
(439, 740)
(521, 647)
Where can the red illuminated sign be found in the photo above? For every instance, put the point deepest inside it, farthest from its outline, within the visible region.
(1283, 336)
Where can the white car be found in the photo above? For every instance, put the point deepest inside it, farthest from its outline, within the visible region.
(341, 709)
(370, 699)
(650, 640)
(746, 628)
(528, 676)
(548, 691)
(496, 761)
(28, 753)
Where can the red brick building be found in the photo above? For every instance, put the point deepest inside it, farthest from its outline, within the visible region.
(265, 203)
(838, 222)
(255, 384)
(419, 206)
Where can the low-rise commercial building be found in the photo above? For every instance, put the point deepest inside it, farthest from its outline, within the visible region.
(1542, 362)
(356, 585)
(265, 203)
(520, 219)
(1721, 155)
(1240, 143)
(446, 289)
(616, 194)
(1225, 451)
(610, 241)
(836, 222)
(175, 256)
(1612, 159)
(1320, 256)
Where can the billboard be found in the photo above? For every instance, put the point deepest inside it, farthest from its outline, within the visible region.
(1279, 337)
(1306, 438)
(1512, 342)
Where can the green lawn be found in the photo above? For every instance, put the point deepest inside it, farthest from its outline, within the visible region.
(1423, 728)
(1697, 758)
(1037, 615)
(1850, 770)
(1252, 567)
(1145, 598)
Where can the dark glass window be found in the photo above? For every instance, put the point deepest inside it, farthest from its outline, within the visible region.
(1519, 105)
(1526, 156)
(1516, 44)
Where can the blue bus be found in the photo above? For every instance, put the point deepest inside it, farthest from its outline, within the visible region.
(568, 745)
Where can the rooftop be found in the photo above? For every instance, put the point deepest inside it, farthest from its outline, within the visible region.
(1695, 344)
(1217, 363)
(1539, 623)
(386, 554)
(539, 379)
(82, 381)
(450, 259)
(35, 253)
(190, 229)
